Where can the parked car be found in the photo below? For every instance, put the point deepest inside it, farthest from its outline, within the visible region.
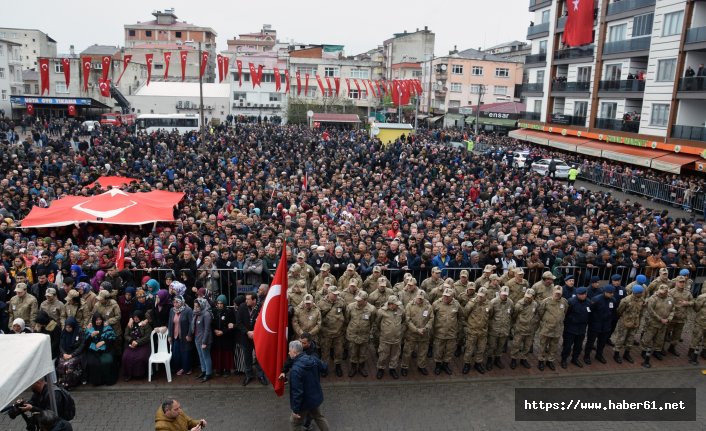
(519, 158)
(91, 125)
(542, 167)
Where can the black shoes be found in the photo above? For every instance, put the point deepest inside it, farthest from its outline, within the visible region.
(627, 357)
(498, 363)
(658, 355)
(673, 350)
(363, 372)
(353, 371)
(513, 363)
(247, 381)
(601, 359)
(525, 363)
(404, 372)
(423, 371)
(466, 368)
(540, 365)
(380, 373)
(564, 364)
(339, 370)
(446, 368)
(587, 360)
(577, 362)
(617, 358)
(201, 376)
(205, 378)
(551, 366)
(393, 373)
(437, 368)
(479, 367)
(489, 364)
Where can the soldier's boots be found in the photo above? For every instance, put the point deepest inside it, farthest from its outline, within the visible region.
(658, 355)
(577, 362)
(673, 350)
(437, 368)
(564, 363)
(466, 368)
(551, 366)
(646, 360)
(446, 368)
(693, 357)
(458, 351)
(617, 358)
(587, 360)
(498, 363)
(601, 359)
(423, 371)
(525, 363)
(489, 364)
(404, 372)
(513, 363)
(540, 365)
(479, 367)
(354, 370)
(380, 373)
(393, 373)
(339, 370)
(361, 369)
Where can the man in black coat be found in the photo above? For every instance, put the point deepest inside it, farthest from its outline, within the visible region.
(575, 322)
(245, 322)
(603, 310)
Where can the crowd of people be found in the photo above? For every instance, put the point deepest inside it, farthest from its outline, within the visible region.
(417, 248)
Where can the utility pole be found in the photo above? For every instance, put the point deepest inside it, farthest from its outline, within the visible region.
(200, 60)
(481, 90)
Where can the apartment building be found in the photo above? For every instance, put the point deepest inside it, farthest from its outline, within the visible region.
(10, 73)
(33, 44)
(412, 47)
(626, 87)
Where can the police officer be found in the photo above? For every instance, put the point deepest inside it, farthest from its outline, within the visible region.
(683, 301)
(629, 315)
(499, 324)
(390, 323)
(525, 317)
(419, 317)
(447, 312)
(603, 308)
(659, 312)
(575, 323)
(568, 290)
(360, 317)
(333, 325)
(477, 312)
(551, 326)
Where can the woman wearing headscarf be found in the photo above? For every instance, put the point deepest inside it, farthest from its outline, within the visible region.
(141, 302)
(181, 335)
(203, 337)
(239, 354)
(151, 288)
(97, 280)
(71, 346)
(186, 278)
(223, 337)
(44, 324)
(126, 302)
(77, 274)
(19, 327)
(100, 363)
(159, 315)
(137, 350)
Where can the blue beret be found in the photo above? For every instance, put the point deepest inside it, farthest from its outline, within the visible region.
(637, 289)
(581, 291)
(642, 279)
(684, 272)
(609, 289)
(615, 277)
(595, 278)
(568, 277)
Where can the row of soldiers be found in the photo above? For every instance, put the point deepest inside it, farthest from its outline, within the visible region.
(478, 319)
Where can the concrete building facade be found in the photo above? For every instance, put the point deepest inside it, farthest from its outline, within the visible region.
(10, 73)
(33, 44)
(414, 47)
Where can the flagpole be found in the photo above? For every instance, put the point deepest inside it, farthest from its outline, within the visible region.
(200, 60)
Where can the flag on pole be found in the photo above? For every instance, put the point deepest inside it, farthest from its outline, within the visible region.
(120, 257)
(270, 333)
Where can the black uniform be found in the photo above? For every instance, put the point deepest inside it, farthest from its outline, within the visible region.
(603, 311)
(575, 322)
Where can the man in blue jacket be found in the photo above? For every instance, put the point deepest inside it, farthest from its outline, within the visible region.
(603, 310)
(575, 323)
(305, 393)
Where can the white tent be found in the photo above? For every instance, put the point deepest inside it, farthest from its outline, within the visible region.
(26, 358)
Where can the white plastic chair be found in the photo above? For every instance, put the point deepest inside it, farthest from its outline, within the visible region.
(163, 355)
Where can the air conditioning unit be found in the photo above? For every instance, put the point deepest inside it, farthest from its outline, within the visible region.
(248, 104)
(242, 102)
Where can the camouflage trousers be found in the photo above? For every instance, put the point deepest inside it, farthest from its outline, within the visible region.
(521, 345)
(418, 346)
(388, 355)
(674, 331)
(444, 349)
(548, 348)
(327, 342)
(622, 338)
(496, 344)
(475, 347)
(698, 337)
(653, 338)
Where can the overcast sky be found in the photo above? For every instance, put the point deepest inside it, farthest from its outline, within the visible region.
(358, 25)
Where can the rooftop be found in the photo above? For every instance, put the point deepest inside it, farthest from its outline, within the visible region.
(101, 50)
(183, 89)
(30, 75)
(512, 43)
(474, 54)
(502, 107)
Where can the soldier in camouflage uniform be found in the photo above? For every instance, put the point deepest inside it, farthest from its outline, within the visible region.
(325, 273)
(419, 317)
(629, 316)
(518, 285)
(348, 276)
(683, 302)
(500, 322)
(307, 318)
(543, 288)
(698, 336)
(551, 326)
(525, 316)
(379, 296)
(333, 326)
(390, 326)
(410, 291)
(447, 312)
(360, 317)
(660, 311)
(432, 282)
(477, 312)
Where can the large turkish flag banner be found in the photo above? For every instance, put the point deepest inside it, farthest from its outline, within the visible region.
(579, 23)
(270, 333)
(44, 74)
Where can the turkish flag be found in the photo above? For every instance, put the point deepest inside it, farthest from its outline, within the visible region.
(286, 80)
(299, 84)
(67, 71)
(357, 87)
(86, 62)
(120, 256)
(306, 84)
(183, 56)
(337, 84)
(219, 62)
(321, 85)
(106, 66)
(30, 109)
(253, 74)
(259, 75)
(72, 110)
(418, 84)
(104, 86)
(328, 84)
(204, 62)
(278, 83)
(148, 59)
(579, 23)
(167, 59)
(372, 89)
(240, 72)
(126, 60)
(270, 332)
(305, 181)
(44, 74)
(348, 85)
(225, 67)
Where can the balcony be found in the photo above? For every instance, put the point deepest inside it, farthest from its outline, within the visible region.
(691, 133)
(536, 87)
(536, 58)
(630, 85)
(571, 87)
(639, 44)
(538, 30)
(567, 120)
(560, 24)
(618, 125)
(628, 5)
(695, 35)
(692, 88)
(532, 116)
(574, 55)
(538, 4)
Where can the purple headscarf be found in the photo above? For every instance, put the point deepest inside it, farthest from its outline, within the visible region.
(163, 298)
(97, 280)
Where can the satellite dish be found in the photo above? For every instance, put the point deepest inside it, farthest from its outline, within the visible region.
(309, 113)
(443, 67)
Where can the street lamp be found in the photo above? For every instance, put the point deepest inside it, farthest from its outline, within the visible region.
(481, 90)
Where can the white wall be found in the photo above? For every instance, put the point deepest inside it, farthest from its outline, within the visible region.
(691, 113)
(5, 81)
(167, 105)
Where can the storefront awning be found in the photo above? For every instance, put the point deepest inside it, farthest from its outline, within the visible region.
(493, 121)
(536, 137)
(336, 118)
(673, 162)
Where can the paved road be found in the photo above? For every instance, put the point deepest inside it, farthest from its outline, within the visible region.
(461, 404)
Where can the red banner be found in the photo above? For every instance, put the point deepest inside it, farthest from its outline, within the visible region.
(44, 75)
(348, 85)
(106, 66)
(321, 85)
(259, 75)
(299, 84)
(72, 110)
(183, 56)
(286, 80)
(225, 67)
(306, 84)
(372, 89)
(120, 256)
(204, 63)
(104, 86)
(400, 94)
(219, 62)
(148, 59)
(253, 74)
(579, 23)
(337, 84)
(66, 63)
(278, 83)
(270, 332)
(167, 59)
(240, 72)
(418, 83)
(30, 109)
(126, 60)
(86, 62)
(328, 84)
(357, 87)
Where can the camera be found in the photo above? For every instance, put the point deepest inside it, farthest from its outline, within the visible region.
(13, 410)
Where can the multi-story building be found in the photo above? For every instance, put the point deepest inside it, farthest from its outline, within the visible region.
(407, 48)
(514, 51)
(167, 34)
(461, 77)
(629, 85)
(10, 73)
(263, 41)
(33, 44)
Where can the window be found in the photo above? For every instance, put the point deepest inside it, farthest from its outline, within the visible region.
(158, 66)
(455, 87)
(312, 91)
(475, 88)
(97, 66)
(360, 73)
(477, 70)
(540, 77)
(617, 32)
(239, 95)
(61, 88)
(545, 16)
(416, 73)
(537, 106)
(583, 74)
(177, 34)
(457, 69)
(454, 103)
(580, 109)
(612, 72)
(131, 32)
(246, 77)
(672, 23)
(2, 72)
(58, 67)
(660, 115)
(542, 46)
(353, 94)
(303, 70)
(4, 95)
(275, 97)
(666, 69)
(2, 52)
(501, 72)
(28, 89)
(36, 88)
(331, 71)
(609, 109)
(148, 33)
(500, 90)
(642, 25)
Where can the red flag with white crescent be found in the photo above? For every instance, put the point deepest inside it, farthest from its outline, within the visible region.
(278, 82)
(72, 110)
(183, 56)
(167, 59)
(126, 60)
(259, 74)
(120, 256)
(286, 80)
(348, 84)
(204, 62)
(328, 84)
(86, 66)
(306, 84)
(337, 84)
(148, 59)
(357, 87)
(30, 109)
(104, 86)
(219, 62)
(253, 74)
(106, 66)
(321, 85)
(299, 84)
(44, 74)
(225, 67)
(270, 332)
(66, 62)
(579, 23)
(240, 72)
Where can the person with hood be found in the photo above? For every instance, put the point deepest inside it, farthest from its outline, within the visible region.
(19, 327)
(180, 335)
(89, 300)
(305, 393)
(97, 280)
(77, 274)
(99, 362)
(203, 337)
(137, 350)
(126, 303)
(71, 347)
(44, 324)
(109, 309)
(223, 337)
